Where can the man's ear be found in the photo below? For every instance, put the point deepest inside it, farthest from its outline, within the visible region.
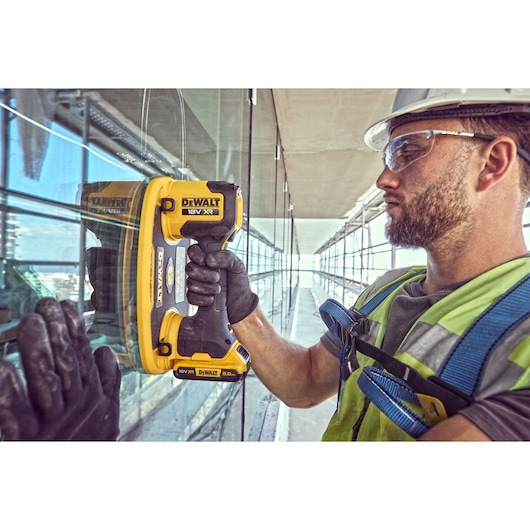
(497, 158)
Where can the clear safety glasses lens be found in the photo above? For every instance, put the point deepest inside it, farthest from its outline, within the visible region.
(405, 149)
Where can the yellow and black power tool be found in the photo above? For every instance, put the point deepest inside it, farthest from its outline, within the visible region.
(138, 276)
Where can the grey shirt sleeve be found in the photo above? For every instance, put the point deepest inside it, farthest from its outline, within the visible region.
(331, 343)
(503, 417)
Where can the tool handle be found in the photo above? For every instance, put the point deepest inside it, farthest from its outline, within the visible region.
(208, 330)
(208, 245)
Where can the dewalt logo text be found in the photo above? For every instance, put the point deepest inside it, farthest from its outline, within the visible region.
(109, 205)
(201, 206)
(159, 276)
(201, 372)
(201, 202)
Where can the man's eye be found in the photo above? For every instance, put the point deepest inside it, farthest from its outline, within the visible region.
(408, 153)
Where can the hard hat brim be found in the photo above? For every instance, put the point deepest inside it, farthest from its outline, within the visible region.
(446, 104)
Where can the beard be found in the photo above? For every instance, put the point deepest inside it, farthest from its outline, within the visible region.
(428, 216)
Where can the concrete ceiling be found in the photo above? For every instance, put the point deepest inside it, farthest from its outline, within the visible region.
(329, 169)
(328, 166)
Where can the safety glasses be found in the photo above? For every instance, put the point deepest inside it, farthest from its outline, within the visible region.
(406, 148)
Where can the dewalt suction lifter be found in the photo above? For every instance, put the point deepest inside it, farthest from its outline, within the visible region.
(144, 230)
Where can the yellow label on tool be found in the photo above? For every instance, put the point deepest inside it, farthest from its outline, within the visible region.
(207, 206)
(207, 372)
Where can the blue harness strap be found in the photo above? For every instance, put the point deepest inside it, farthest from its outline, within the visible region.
(379, 297)
(465, 364)
(390, 394)
(462, 370)
(345, 325)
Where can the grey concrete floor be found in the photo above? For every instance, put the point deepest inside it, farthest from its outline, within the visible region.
(308, 424)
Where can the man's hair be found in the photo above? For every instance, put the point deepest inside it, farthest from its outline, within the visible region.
(516, 126)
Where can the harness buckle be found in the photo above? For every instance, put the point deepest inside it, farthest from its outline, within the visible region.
(361, 324)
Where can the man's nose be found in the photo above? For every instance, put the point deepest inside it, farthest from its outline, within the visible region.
(387, 179)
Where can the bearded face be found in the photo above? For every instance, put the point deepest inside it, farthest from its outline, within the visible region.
(426, 216)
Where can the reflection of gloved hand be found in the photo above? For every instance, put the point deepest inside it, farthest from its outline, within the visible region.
(203, 278)
(72, 393)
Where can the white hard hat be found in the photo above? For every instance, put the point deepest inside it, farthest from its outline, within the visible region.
(413, 104)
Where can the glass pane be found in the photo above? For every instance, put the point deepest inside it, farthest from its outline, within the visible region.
(60, 148)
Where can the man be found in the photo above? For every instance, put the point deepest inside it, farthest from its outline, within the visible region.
(461, 198)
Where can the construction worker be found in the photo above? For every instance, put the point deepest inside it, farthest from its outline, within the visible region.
(460, 197)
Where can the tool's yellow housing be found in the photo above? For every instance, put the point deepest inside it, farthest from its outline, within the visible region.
(158, 335)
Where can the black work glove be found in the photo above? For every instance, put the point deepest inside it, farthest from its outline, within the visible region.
(203, 277)
(72, 393)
